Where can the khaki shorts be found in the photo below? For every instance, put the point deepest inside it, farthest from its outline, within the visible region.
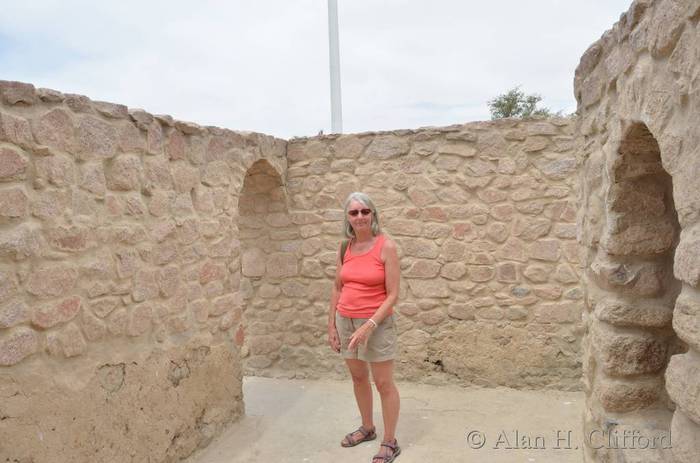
(381, 345)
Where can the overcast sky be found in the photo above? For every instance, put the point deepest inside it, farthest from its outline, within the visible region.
(263, 65)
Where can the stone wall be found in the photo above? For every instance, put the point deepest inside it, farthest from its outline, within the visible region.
(638, 92)
(147, 263)
(484, 217)
(119, 278)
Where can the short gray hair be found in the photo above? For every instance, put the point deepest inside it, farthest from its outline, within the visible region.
(367, 201)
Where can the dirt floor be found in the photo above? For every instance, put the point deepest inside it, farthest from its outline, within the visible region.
(304, 421)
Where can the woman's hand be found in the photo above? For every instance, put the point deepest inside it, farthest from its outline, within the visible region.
(361, 335)
(333, 339)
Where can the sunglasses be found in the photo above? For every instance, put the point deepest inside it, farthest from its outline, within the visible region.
(354, 212)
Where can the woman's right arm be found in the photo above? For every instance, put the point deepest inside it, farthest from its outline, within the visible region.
(333, 339)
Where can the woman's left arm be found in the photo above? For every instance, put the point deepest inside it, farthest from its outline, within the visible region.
(392, 277)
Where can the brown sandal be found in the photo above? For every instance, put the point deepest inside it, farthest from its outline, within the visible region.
(366, 436)
(395, 452)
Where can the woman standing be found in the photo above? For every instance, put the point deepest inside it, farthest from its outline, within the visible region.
(361, 321)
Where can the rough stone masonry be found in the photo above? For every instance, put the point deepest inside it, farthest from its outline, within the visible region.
(139, 253)
(119, 278)
(146, 264)
(638, 92)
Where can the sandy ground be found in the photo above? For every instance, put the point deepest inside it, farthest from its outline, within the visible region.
(304, 421)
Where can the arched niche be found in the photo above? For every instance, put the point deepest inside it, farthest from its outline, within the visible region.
(269, 259)
(632, 292)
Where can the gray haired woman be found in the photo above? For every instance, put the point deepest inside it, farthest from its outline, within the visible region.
(361, 322)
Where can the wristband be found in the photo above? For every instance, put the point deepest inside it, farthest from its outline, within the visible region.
(373, 322)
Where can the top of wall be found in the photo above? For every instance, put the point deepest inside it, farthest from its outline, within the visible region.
(504, 124)
(24, 96)
(651, 27)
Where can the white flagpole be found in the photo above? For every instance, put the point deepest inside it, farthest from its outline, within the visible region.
(334, 54)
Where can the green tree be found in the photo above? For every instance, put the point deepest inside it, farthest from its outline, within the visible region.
(515, 103)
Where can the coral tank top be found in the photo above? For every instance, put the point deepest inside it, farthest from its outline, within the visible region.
(363, 282)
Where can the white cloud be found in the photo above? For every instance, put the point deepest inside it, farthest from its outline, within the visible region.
(264, 65)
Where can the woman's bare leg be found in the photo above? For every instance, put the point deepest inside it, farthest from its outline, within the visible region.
(363, 392)
(383, 374)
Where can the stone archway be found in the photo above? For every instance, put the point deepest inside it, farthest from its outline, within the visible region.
(631, 294)
(269, 260)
